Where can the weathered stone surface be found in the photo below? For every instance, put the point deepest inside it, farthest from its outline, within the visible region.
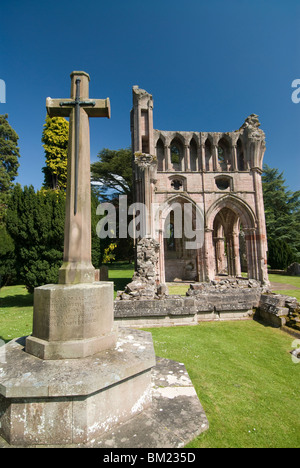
(186, 168)
(74, 400)
(294, 269)
(72, 321)
(278, 310)
(77, 266)
(203, 302)
(174, 418)
(144, 282)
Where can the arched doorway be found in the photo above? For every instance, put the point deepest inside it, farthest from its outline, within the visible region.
(182, 228)
(227, 243)
(226, 220)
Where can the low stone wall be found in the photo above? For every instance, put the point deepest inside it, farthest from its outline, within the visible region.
(203, 303)
(278, 310)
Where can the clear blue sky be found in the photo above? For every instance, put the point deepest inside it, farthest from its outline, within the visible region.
(208, 63)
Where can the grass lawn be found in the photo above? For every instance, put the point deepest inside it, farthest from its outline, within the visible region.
(242, 371)
(181, 289)
(121, 274)
(245, 378)
(16, 308)
(291, 280)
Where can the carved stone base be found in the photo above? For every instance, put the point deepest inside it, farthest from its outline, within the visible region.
(73, 401)
(72, 321)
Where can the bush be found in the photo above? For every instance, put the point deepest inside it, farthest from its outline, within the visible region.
(280, 254)
(35, 221)
(8, 269)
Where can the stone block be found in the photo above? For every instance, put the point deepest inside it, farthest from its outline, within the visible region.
(74, 400)
(72, 321)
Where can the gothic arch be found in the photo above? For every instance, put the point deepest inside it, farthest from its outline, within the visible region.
(163, 210)
(231, 212)
(194, 154)
(160, 154)
(237, 205)
(177, 153)
(181, 236)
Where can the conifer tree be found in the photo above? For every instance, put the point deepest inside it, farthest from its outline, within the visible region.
(9, 161)
(282, 210)
(55, 143)
(35, 221)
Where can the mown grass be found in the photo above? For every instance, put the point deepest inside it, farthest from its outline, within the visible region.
(284, 279)
(181, 289)
(245, 378)
(290, 280)
(121, 274)
(16, 310)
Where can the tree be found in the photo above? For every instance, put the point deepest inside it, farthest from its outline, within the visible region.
(114, 172)
(35, 221)
(32, 248)
(280, 254)
(9, 161)
(55, 138)
(8, 271)
(282, 210)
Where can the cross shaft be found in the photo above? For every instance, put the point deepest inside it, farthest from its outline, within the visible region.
(77, 266)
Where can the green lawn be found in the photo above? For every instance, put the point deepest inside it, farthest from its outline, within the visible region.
(121, 274)
(284, 279)
(16, 307)
(245, 378)
(291, 280)
(242, 371)
(181, 289)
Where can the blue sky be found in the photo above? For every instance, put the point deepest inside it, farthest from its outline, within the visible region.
(208, 64)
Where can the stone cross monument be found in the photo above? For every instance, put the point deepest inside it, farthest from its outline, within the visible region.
(75, 318)
(77, 266)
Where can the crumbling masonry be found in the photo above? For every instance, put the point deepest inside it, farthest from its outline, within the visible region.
(219, 176)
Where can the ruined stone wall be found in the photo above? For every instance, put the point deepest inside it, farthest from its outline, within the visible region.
(213, 170)
(228, 299)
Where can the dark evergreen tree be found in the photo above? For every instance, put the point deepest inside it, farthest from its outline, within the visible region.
(280, 254)
(9, 161)
(282, 209)
(8, 270)
(35, 221)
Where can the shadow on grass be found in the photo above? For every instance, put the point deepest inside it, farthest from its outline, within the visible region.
(120, 283)
(21, 340)
(3, 341)
(19, 300)
(121, 274)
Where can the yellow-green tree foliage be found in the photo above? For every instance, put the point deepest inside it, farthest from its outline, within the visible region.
(55, 143)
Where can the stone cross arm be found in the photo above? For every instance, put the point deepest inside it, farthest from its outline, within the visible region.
(63, 107)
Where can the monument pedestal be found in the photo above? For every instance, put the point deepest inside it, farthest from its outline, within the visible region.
(72, 321)
(73, 401)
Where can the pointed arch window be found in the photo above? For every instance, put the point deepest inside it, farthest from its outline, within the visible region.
(177, 155)
(193, 156)
(160, 154)
(208, 156)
